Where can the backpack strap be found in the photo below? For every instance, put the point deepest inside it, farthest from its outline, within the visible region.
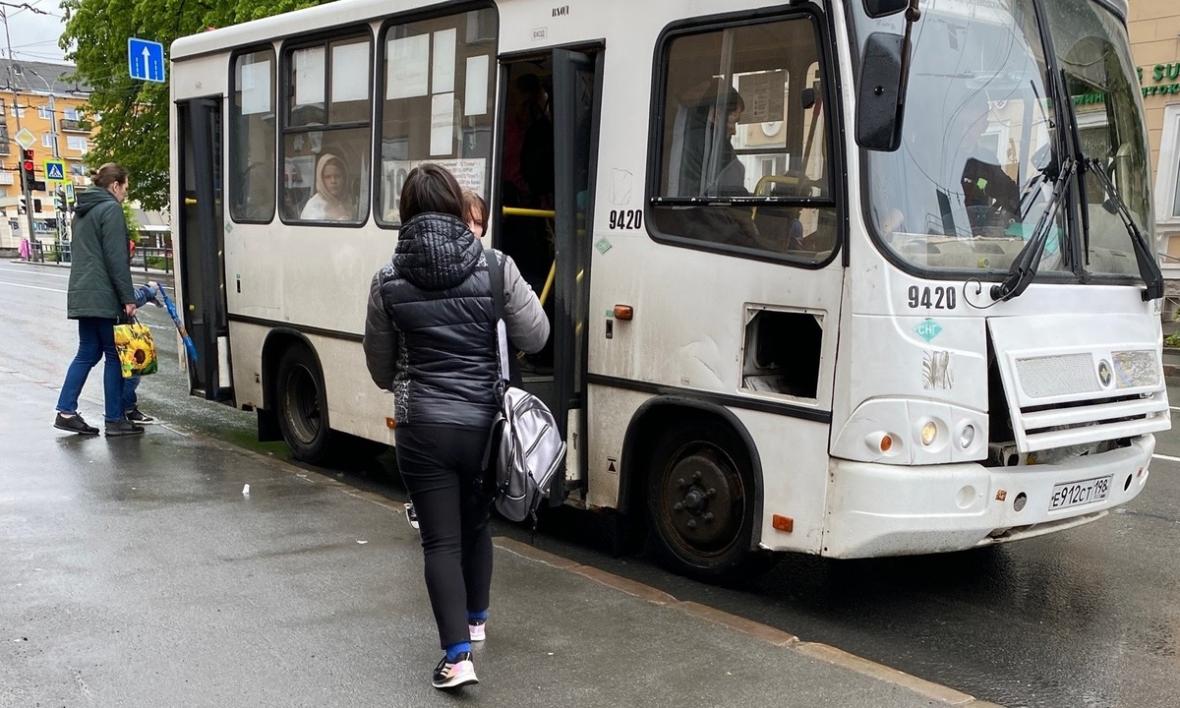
(500, 336)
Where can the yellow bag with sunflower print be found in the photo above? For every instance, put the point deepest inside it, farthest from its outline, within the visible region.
(137, 352)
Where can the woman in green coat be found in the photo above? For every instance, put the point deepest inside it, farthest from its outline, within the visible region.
(99, 292)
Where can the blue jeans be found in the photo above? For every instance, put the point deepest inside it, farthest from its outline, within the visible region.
(129, 398)
(96, 338)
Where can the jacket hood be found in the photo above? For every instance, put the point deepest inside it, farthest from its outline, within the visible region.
(90, 198)
(436, 251)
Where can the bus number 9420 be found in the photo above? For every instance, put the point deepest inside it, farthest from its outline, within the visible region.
(939, 298)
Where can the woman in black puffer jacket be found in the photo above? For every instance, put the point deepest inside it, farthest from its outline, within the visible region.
(429, 336)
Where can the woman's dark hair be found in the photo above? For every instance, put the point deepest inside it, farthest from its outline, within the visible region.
(109, 174)
(431, 188)
(474, 202)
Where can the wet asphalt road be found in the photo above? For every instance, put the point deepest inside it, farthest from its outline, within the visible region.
(1088, 617)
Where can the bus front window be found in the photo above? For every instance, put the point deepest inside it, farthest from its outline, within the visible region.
(979, 149)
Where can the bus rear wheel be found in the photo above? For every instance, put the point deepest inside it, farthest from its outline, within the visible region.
(701, 502)
(303, 406)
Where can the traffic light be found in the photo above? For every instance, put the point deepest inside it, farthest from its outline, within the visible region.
(59, 200)
(28, 168)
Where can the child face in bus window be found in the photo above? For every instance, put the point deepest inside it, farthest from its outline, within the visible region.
(334, 180)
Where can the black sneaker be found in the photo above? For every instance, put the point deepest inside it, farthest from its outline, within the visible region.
(453, 674)
(411, 515)
(139, 417)
(117, 428)
(74, 424)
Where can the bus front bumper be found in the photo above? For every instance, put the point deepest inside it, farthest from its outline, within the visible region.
(885, 510)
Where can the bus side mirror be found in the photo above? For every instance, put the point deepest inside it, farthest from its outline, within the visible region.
(884, 8)
(879, 101)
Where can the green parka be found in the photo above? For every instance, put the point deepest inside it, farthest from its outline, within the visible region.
(100, 270)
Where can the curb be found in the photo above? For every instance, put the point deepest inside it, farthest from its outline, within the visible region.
(938, 693)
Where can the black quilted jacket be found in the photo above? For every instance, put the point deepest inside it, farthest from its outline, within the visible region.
(428, 329)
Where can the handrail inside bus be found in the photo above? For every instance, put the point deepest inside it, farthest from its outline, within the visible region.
(535, 213)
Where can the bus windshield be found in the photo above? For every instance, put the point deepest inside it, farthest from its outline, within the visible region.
(980, 144)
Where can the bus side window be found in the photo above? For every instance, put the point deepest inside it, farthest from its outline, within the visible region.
(744, 130)
(327, 132)
(252, 138)
(437, 100)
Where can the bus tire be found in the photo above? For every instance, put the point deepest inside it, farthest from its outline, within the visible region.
(701, 502)
(302, 406)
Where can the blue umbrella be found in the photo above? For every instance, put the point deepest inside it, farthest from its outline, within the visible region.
(171, 307)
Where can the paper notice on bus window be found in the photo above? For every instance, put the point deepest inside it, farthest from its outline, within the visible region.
(443, 75)
(350, 76)
(475, 86)
(765, 96)
(442, 123)
(409, 66)
(256, 88)
(309, 76)
(468, 172)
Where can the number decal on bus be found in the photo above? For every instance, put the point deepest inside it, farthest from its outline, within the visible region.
(939, 298)
(626, 219)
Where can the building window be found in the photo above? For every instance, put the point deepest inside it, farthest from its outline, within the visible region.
(73, 114)
(327, 140)
(744, 158)
(77, 169)
(438, 80)
(20, 111)
(77, 144)
(3, 108)
(6, 177)
(44, 113)
(1167, 180)
(47, 140)
(252, 137)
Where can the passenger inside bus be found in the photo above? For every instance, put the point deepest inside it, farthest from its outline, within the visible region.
(331, 201)
(527, 178)
(709, 165)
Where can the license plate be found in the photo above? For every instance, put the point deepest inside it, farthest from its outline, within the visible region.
(1081, 492)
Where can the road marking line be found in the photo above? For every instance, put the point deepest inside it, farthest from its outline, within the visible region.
(1169, 458)
(1175, 408)
(28, 270)
(31, 287)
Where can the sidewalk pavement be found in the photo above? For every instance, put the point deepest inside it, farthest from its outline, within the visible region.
(138, 274)
(174, 569)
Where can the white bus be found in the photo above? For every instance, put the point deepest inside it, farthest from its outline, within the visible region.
(828, 277)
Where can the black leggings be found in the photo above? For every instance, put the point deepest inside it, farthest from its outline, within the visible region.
(440, 465)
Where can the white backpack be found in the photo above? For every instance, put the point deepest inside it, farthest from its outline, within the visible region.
(526, 447)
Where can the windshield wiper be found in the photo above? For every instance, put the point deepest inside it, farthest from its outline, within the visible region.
(1149, 268)
(1024, 266)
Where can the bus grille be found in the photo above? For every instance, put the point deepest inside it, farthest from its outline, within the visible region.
(1086, 400)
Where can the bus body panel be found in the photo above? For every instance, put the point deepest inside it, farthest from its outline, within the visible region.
(888, 359)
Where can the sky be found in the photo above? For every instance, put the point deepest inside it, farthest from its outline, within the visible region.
(34, 36)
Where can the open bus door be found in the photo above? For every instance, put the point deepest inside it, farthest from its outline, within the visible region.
(548, 165)
(201, 266)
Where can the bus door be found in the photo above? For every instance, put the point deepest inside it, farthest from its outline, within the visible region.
(546, 206)
(202, 247)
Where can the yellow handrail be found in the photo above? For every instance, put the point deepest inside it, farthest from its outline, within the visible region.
(536, 213)
(548, 283)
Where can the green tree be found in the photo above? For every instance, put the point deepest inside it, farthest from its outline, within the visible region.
(134, 114)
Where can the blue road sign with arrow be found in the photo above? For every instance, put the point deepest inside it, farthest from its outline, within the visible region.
(145, 59)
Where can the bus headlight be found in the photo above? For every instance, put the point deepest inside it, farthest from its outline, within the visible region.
(929, 433)
(967, 436)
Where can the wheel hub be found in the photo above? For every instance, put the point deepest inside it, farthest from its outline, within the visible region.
(704, 500)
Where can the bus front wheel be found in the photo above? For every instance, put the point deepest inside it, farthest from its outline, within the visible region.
(303, 406)
(701, 502)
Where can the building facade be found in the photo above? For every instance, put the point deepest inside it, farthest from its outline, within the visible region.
(1155, 44)
(42, 98)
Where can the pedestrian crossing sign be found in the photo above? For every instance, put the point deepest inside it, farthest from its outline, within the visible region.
(55, 171)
